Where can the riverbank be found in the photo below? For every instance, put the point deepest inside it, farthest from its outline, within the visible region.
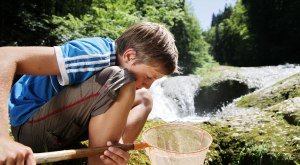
(259, 128)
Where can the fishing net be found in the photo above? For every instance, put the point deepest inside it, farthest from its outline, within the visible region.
(177, 144)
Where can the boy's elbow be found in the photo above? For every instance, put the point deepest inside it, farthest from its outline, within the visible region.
(7, 61)
(7, 58)
(4, 56)
(128, 91)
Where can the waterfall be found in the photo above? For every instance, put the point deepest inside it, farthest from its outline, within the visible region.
(174, 99)
(174, 96)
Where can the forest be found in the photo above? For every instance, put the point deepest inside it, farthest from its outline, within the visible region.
(250, 33)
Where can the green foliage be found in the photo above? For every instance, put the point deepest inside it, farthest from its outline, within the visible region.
(275, 26)
(260, 154)
(109, 18)
(193, 48)
(27, 22)
(198, 47)
(232, 44)
(256, 32)
(57, 21)
(106, 19)
(217, 19)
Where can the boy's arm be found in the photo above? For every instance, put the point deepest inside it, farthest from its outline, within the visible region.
(20, 60)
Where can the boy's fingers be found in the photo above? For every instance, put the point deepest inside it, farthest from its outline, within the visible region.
(109, 143)
(114, 154)
(30, 160)
(12, 152)
(21, 162)
(116, 158)
(107, 160)
(119, 152)
(10, 161)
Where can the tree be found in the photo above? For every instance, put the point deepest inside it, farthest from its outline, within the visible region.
(275, 25)
(232, 44)
(54, 22)
(109, 18)
(28, 22)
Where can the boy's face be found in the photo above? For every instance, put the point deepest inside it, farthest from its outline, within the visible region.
(145, 75)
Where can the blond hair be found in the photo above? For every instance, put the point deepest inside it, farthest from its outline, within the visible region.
(154, 46)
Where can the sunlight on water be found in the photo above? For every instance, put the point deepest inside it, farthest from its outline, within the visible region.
(174, 99)
(174, 96)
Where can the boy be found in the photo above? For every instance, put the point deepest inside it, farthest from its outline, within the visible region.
(87, 88)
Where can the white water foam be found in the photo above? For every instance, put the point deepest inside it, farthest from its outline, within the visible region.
(174, 96)
(174, 99)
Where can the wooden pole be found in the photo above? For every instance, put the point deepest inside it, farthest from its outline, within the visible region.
(56, 156)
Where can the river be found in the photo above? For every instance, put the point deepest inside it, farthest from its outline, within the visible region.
(180, 98)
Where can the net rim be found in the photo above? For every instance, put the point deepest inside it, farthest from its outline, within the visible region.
(182, 125)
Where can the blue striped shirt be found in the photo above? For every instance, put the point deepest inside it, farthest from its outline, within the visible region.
(78, 60)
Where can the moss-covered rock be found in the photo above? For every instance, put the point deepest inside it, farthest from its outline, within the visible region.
(281, 91)
(272, 136)
(290, 109)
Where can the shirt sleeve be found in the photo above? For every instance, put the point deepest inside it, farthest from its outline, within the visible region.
(79, 59)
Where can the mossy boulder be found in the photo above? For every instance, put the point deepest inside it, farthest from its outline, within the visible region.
(280, 91)
(264, 129)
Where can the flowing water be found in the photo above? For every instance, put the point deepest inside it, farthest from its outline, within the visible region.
(174, 98)
(180, 98)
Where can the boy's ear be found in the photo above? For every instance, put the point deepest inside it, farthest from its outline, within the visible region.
(129, 55)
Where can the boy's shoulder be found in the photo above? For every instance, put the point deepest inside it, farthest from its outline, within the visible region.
(91, 45)
(91, 40)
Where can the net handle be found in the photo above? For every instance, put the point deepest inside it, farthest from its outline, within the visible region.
(56, 156)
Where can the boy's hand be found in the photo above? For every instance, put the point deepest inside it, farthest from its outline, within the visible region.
(12, 152)
(114, 156)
